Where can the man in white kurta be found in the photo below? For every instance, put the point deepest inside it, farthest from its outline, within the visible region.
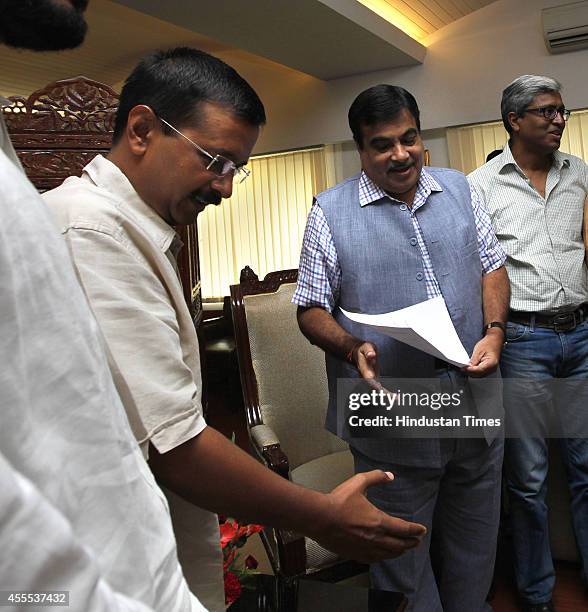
(81, 507)
(124, 255)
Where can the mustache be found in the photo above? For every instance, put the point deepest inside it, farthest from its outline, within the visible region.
(395, 167)
(208, 197)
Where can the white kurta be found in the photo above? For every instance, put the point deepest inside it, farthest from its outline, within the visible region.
(64, 429)
(124, 255)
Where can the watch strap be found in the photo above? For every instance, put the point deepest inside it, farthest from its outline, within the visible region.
(498, 324)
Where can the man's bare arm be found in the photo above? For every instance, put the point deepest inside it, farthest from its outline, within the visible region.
(495, 301)
(213, 473)
(321, 329)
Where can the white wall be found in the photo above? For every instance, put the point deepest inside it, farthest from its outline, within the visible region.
(468, 64)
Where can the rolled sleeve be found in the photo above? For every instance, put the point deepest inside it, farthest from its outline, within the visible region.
(141, 330)
(492, 255)
(319, 272)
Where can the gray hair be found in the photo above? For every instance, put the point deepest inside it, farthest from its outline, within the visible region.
(520, 93)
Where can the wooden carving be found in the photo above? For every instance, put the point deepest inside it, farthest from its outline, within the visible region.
(77, 105)
(59, 129)
(251, 285)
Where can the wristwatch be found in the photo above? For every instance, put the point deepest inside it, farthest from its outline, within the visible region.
(498, 324)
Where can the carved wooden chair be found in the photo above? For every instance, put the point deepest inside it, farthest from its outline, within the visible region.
(285, 395)
(57, 130)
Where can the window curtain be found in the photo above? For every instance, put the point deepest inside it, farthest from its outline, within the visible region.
(262, 224)
(469, 145)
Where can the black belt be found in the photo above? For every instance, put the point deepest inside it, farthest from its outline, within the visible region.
(561, 322)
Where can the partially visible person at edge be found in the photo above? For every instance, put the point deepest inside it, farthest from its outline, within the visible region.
(535, 195)
(79, 510)
(395, 235)
(185, 128)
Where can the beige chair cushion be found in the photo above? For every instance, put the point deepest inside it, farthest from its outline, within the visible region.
(322, 474)
(325, 473)
(317, 557)
(291, 377)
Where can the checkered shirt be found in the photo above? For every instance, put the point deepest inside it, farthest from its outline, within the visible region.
(541, 235)
(319, 272)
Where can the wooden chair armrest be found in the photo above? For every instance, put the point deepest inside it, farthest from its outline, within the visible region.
(291, 546)
(267, 445)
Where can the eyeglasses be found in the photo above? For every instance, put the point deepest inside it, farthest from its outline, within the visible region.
(218, 164)
(550, 112)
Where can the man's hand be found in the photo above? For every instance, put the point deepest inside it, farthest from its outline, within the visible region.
(215, 474)
(358, 530)
(486, 355)
(364, 357)
(321, 329)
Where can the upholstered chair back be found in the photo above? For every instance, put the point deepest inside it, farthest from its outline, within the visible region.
(291, 377)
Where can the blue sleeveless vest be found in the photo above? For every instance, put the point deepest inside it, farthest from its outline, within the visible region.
(382, 271)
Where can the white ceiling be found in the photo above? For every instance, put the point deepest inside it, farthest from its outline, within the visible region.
(117, 38)
(326, 39)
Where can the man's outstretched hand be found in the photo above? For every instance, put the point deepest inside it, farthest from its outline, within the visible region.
(358, 530)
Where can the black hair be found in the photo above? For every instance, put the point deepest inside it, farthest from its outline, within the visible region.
(174, 82)
(493, 154)
(380, 104)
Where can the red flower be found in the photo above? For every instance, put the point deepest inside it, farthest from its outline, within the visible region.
(228, 531)
(233, 536)
(251, 529)
(232, 588)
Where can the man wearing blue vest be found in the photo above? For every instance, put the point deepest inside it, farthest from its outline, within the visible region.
(391, 237)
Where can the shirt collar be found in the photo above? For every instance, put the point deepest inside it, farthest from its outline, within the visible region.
(506, 158)
(369, 192)
(107, 175)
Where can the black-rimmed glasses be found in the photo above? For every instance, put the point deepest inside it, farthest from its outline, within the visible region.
(550, 112)
(218, 164)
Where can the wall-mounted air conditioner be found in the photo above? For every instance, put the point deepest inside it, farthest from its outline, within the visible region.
(566, 27)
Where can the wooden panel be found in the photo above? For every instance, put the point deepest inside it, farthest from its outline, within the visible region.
(432, 8)
(456, 8)
(428, 16)
(411, 12)
(58, 129)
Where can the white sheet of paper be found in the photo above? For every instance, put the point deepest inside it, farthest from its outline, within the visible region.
(426, 326)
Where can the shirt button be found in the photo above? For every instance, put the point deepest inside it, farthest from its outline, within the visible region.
(403, 207)
(413, 241)
(420, 276)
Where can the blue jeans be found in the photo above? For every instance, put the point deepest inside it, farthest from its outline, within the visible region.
(540, 353)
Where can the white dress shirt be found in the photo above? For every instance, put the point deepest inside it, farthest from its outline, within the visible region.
(123, 252)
